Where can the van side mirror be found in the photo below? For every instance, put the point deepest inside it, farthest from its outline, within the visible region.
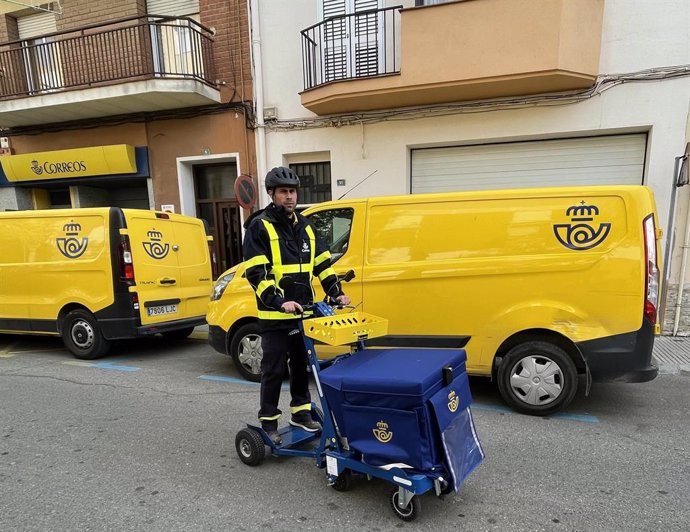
(347, 276)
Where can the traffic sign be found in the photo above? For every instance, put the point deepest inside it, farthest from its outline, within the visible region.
(245, 191)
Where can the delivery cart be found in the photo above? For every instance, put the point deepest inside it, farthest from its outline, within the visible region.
(401, 415)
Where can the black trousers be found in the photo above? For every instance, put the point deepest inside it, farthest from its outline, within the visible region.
(282, 350)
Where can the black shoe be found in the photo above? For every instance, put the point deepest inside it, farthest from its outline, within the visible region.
(304, 421)
(274, 437)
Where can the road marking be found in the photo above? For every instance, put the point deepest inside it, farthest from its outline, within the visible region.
(101, 365)
(561, 415)
(235, 380)
(5, 352)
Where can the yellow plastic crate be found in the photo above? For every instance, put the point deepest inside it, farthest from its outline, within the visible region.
(343, 329)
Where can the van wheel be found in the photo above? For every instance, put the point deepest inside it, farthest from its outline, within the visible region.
(537, 378)
(246, 352)
(179, 334)
(82, 336)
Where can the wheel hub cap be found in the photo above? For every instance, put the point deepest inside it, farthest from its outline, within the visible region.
(537, 380)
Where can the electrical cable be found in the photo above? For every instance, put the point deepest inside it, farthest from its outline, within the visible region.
(602, 84)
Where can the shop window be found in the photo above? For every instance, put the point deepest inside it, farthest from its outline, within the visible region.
(315, 182)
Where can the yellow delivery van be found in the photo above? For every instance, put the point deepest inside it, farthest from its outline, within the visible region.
(101, 274)
(540, 286)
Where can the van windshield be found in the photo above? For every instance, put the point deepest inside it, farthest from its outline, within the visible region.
(333, 229)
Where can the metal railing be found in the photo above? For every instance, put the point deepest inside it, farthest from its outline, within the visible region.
(358, 45)
(128, 49)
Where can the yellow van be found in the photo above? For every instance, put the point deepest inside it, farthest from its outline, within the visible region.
(101, 274)
(538, 285)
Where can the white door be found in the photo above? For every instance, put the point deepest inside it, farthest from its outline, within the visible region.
(604, 160)
(41, 55)
(352, 45)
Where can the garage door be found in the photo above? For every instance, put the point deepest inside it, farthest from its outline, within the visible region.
(617, 159)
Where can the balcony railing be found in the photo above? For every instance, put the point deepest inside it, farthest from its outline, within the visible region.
(359, 45)
(130, 49)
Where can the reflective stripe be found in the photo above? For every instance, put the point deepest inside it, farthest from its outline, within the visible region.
(312, 244)
(300, 408)
(276, 315)
(326, 273)
(295, 268)
(326, 255)
(263, 285)
(271, 418)
(255, 261)
(275, 249)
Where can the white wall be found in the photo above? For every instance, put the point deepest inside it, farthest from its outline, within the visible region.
(637, 35)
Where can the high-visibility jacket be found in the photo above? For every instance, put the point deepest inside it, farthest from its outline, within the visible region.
(276, 246)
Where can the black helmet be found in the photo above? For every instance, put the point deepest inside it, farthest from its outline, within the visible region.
(281, 177)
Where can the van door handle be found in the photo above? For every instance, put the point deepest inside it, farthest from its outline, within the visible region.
(167, 280)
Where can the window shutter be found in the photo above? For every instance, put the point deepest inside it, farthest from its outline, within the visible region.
(607, 160)
(173, 8)
(34, 25)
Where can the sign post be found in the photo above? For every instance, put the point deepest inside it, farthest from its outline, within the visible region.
(245, 191)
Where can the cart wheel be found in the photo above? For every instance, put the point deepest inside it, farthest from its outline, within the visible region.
(343, 482)
(410, 512)
(250, 447)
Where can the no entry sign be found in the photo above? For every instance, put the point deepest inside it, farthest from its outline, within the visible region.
(245, 191)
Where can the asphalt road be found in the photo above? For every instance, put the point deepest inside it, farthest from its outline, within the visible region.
(144, 440)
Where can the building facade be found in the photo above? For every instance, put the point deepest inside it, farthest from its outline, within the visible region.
(365, 97)
(129, 103)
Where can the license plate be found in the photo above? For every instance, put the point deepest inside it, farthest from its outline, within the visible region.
(159, 311)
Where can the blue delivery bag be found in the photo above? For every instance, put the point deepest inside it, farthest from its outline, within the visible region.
(402, 406)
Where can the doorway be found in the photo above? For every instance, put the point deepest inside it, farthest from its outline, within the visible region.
(216, 204)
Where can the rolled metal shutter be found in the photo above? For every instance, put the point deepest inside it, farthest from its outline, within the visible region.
(36, 24)
(604, 160)
(174, 8)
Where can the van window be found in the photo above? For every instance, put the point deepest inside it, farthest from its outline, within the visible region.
(333, 228)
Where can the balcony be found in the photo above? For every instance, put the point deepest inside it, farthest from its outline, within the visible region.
(138, 64)
(460, 51)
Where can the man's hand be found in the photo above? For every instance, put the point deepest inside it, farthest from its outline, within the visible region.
(343, 300)
(291, 307)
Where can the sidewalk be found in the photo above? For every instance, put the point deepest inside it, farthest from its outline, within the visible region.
(672, 354)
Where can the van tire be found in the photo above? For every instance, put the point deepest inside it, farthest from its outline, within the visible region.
(537, 378)
(246, 353)
(82, 336)
(178, 334)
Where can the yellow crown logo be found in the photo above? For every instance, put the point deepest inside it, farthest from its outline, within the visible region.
(453, 401)
(381, 432)
(155, 235)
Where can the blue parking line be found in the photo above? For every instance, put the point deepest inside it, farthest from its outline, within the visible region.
(563, 415)
(235, 380)
(116, 367)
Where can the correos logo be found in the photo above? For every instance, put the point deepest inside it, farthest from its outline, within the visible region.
(58, 168)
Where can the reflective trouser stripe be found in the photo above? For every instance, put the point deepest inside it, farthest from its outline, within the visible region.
(300, 408)
(271, 418)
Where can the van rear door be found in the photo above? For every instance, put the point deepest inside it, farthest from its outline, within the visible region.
(172, 268)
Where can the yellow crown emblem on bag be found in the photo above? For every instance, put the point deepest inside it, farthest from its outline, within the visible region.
(382, 433)
(453, 401)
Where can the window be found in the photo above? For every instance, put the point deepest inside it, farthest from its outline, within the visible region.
(315, 182)
(333, 229)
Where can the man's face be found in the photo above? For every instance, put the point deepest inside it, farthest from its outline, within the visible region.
(285, 197)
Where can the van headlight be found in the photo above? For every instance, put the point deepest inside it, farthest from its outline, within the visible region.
(220, 286)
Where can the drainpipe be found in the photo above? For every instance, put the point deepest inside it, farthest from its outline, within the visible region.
(257, 68)
(686, 245)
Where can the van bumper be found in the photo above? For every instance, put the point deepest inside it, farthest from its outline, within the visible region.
(623, 357)
(216, 338)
